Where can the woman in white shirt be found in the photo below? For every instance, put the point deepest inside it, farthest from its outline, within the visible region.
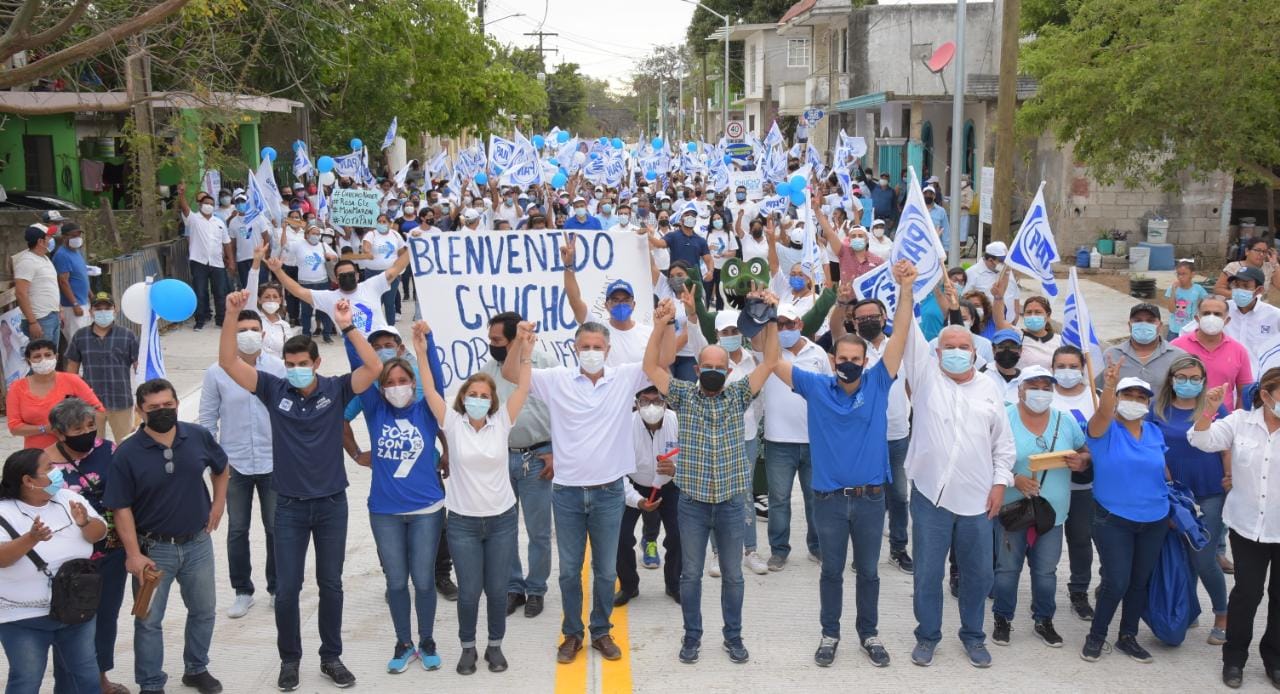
(482, 527)
(40, 514)
(723, 246)
(1254, 522)
(383, 247)
(880, 244)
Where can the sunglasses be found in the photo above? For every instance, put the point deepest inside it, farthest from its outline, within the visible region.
(168, 461)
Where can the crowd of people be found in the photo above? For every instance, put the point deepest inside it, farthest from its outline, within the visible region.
(931, 420)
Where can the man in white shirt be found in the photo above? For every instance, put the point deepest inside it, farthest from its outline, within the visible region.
(210, 252)
(959, 462)
(36, 286)
(245, 239)
(786, 434)
(627, 338)
(1253, 322)
(655, 433)
(982, 276)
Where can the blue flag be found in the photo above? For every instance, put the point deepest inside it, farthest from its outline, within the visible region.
(1034, 250)
(391, 134)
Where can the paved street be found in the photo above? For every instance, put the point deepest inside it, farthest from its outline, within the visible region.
(780, 621)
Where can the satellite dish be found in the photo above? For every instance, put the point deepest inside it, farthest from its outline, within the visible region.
(941, 58)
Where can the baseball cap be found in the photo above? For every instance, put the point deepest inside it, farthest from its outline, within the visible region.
(1006, 335)
(470, 215)
(1251, 274)
(579, 199)
(877, 223)
(34, 233)
(388, 330)
(102, 299)
(996, 249)
(619, 285)
(51, 216)
(1134, 382)
(726, 319)
(1033, 372)
(789, 311)
(1149, 308)
(69, 228)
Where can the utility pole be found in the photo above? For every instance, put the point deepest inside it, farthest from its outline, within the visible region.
(480, 13)
(957, 136)
(662, 110)
(1001, 212)
(680, 108)
(540, 34)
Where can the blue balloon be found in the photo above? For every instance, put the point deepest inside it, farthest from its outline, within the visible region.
(617, 143)
(651, 175)
(603, 140)
(657, 143)
(562, 136)
(324, 164)
(173, 300)
(356, 144)
(798, 182)
(554, 161)
(558, 180)
(595, 156)
(539, 141)
(692, 147)
(482, 179)
(298, 144)
(782, 189)
(728, 159)
(797, 197)
(269, 153)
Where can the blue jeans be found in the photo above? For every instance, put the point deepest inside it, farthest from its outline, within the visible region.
(50, 324)
(584, 514)
(240, 490)
(933, 531)
(1206, 560)
(748, 506)
(783, 462)
(1128, 552)
(191, 565)
(482, 550)
(899, 495)
(533, 495)
(298, 523)
(1079, 532)
(840, 519)
(1011, 552)
(698, 520)
(111, 568)
(26, 648)
(325, 326)
(407, 548)
(202, 278)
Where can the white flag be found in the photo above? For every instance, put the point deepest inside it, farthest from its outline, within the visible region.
(917, 242)
(150, 362)
(1034, 250)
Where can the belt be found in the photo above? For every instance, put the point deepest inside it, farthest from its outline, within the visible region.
(171, 539)
(590, 488)
(534, 447)
(864, 490)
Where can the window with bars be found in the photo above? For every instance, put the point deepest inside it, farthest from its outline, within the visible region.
(798, 53)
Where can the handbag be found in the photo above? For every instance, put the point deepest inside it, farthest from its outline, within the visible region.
(1031, 511)
(75, 591)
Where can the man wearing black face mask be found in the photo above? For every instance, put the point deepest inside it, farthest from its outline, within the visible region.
(164, 516)
(1007, 345)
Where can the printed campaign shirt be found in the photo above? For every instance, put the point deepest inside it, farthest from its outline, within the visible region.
(403, 455)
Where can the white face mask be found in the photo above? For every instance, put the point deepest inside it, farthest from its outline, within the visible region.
(44, 367)
(1211, 325)
(652, 414)
(1038, 401)
(271, 306)
(75, 243)
(399, 396)
(624, 219)
(591, 360)
(878, 232)
(206, 209)
(1068, 378)
(249, 342)
(1131, 410)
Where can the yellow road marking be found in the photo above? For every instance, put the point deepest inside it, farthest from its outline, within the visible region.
(572, 678)
(615, 677)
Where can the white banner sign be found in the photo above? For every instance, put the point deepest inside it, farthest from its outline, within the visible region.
(986, 194)
(465, 279)
(351, 207)
(12, 342)
(753, 181)
(857, 146)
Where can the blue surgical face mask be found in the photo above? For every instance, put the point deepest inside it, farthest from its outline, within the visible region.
(956, 361)
(1242, 297)
(731, 343)
(1068, 378)
(1143, 333)
(388, 353)
(717, 223)
(1188, 389)
(242, 207)
(788, 338)
(606, 208)
(797, 282)
(55, 482)
(104, 318)
(300, 376)
(580, 212)
(1038, 400)
(477, 408)
(383, 228)
(741, 196)
(1033, 323)
(621, 312)
(858, 244)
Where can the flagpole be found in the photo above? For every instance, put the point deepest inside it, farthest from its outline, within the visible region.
(1088, 365)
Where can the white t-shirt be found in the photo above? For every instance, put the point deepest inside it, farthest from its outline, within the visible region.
(246, 241)
(510, 214)
(880, 247)
(590, 422)
(366, 303)
(627, 346)
(289, 238)
(649, 445)
(24, 590)
(752, 248)
(205, 238)
(739, 370)
(1081, 407)
(786, 414)
(479, 482)
(39, 271)
(899, 413)
(311, 269)
(721, 242)
(385, 249)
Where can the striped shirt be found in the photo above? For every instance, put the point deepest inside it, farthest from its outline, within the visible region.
(106, 363)
(712, 466)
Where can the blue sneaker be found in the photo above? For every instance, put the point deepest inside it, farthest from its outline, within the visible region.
(978, 655)
(922, 654)
(651, 560)
(427, 653)
(737, 652)
(689, 651)
(403, 658)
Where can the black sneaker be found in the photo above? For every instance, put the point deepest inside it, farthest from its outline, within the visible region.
(1093, 648)
(1000, 633)
(1232, 676)
(288, 680)
(1080, 606)
(624, 596)
(875, 651)
(447, 589)
(514, 601)
(1046, 632)
(737, 652)
(203, 683)
(955, 586)
(467, 661)
(337, 673)
(902, 560)
(493, 656)
(674, 595)
(689, 651)
(826, 654)
(533, 606)
(1128, 645)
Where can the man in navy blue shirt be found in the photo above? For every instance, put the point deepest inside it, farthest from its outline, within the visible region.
(686, 245)
(849, 482)
(580, 219)
(309, 477)
(163, 516)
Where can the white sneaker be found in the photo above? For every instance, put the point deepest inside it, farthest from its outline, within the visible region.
(240, 607)
(755, 564)
(714, 570)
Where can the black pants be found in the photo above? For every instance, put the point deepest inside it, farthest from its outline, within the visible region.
(444, 561)
(292, 304)
(650, 523)
(712, 291)
(1253, 560)
(626, 567)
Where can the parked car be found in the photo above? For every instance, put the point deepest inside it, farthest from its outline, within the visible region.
(17, 200)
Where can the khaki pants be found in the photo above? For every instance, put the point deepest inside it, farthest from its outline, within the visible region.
(120, 421)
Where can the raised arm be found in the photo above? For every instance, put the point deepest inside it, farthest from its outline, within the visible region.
(290, 285)
(663, 332)
(998, 309)
(772, 351)
(430, 389)
(183, 206)
(813, 319)
(905, 273)
(244, 375)
(402, 262)
(371, 365)
(828, 231)
(528, 338)
(571, 288)
(1101, 419)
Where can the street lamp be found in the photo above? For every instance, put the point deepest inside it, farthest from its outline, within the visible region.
(724, 104)
(499, 19)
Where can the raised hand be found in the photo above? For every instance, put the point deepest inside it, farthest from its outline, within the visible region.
(262, 251)
(664, 313)
(342, 314)
(236, 301)
(904, 273)
(1111, 376)
(420, 332)
(526, 331)
(845, 294)
(1214, 396)
(78, 514)
(568, 251)
(275, 264)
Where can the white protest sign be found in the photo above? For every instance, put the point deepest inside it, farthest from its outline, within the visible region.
(753, 181)
(986, 194)
(12, 342)
(464, 279)
(351, 207)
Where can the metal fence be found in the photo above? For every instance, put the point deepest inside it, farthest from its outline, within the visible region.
(167, 259)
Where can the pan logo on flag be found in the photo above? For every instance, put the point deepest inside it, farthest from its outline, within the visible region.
(917, 243)
(878, 283)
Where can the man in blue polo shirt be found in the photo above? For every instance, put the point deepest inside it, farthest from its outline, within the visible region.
(580, 219)
(849, 483)
(309, 478)
(163, 516)
(685, 244)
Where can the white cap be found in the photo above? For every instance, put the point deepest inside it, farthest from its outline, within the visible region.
(579, 199)
(389, 329)
(1035, 371)
(727, 318)
(996, 249)
(470, 214)
(877, 223)
(1134, 382)
(788, 311)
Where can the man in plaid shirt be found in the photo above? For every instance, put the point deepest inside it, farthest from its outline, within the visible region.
(713, 473)
(104, 353)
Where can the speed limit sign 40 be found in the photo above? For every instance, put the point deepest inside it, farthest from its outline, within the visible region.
(734, 130)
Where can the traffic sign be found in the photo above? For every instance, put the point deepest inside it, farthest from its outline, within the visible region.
(813, 115)
(734, 129)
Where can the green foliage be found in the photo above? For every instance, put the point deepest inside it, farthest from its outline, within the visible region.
(1040, 13)
(1148, 90)
(567, 97)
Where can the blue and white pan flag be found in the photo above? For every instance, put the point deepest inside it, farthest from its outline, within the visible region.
(1077, 326)
(391, 134)
(150, 363)
(349, 165)
(301, 162)
(256, 216)
(1034, 250)
(501, 153)
(403, 174)
(878, 283)
(271, 191)
(917, 241)
(439, 164)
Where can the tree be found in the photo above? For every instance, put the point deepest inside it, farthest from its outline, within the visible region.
(567, 98)
(1148, 90)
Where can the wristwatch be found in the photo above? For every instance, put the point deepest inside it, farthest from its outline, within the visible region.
(347, 329)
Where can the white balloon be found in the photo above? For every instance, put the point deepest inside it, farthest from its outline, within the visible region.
(579, 158)
(135, 303)
(327, 178)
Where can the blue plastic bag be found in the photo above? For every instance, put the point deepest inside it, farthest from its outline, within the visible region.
(1171, 596)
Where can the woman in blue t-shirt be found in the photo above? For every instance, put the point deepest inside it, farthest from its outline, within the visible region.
(1132, 504)
(1180, 401)
(406, 503)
